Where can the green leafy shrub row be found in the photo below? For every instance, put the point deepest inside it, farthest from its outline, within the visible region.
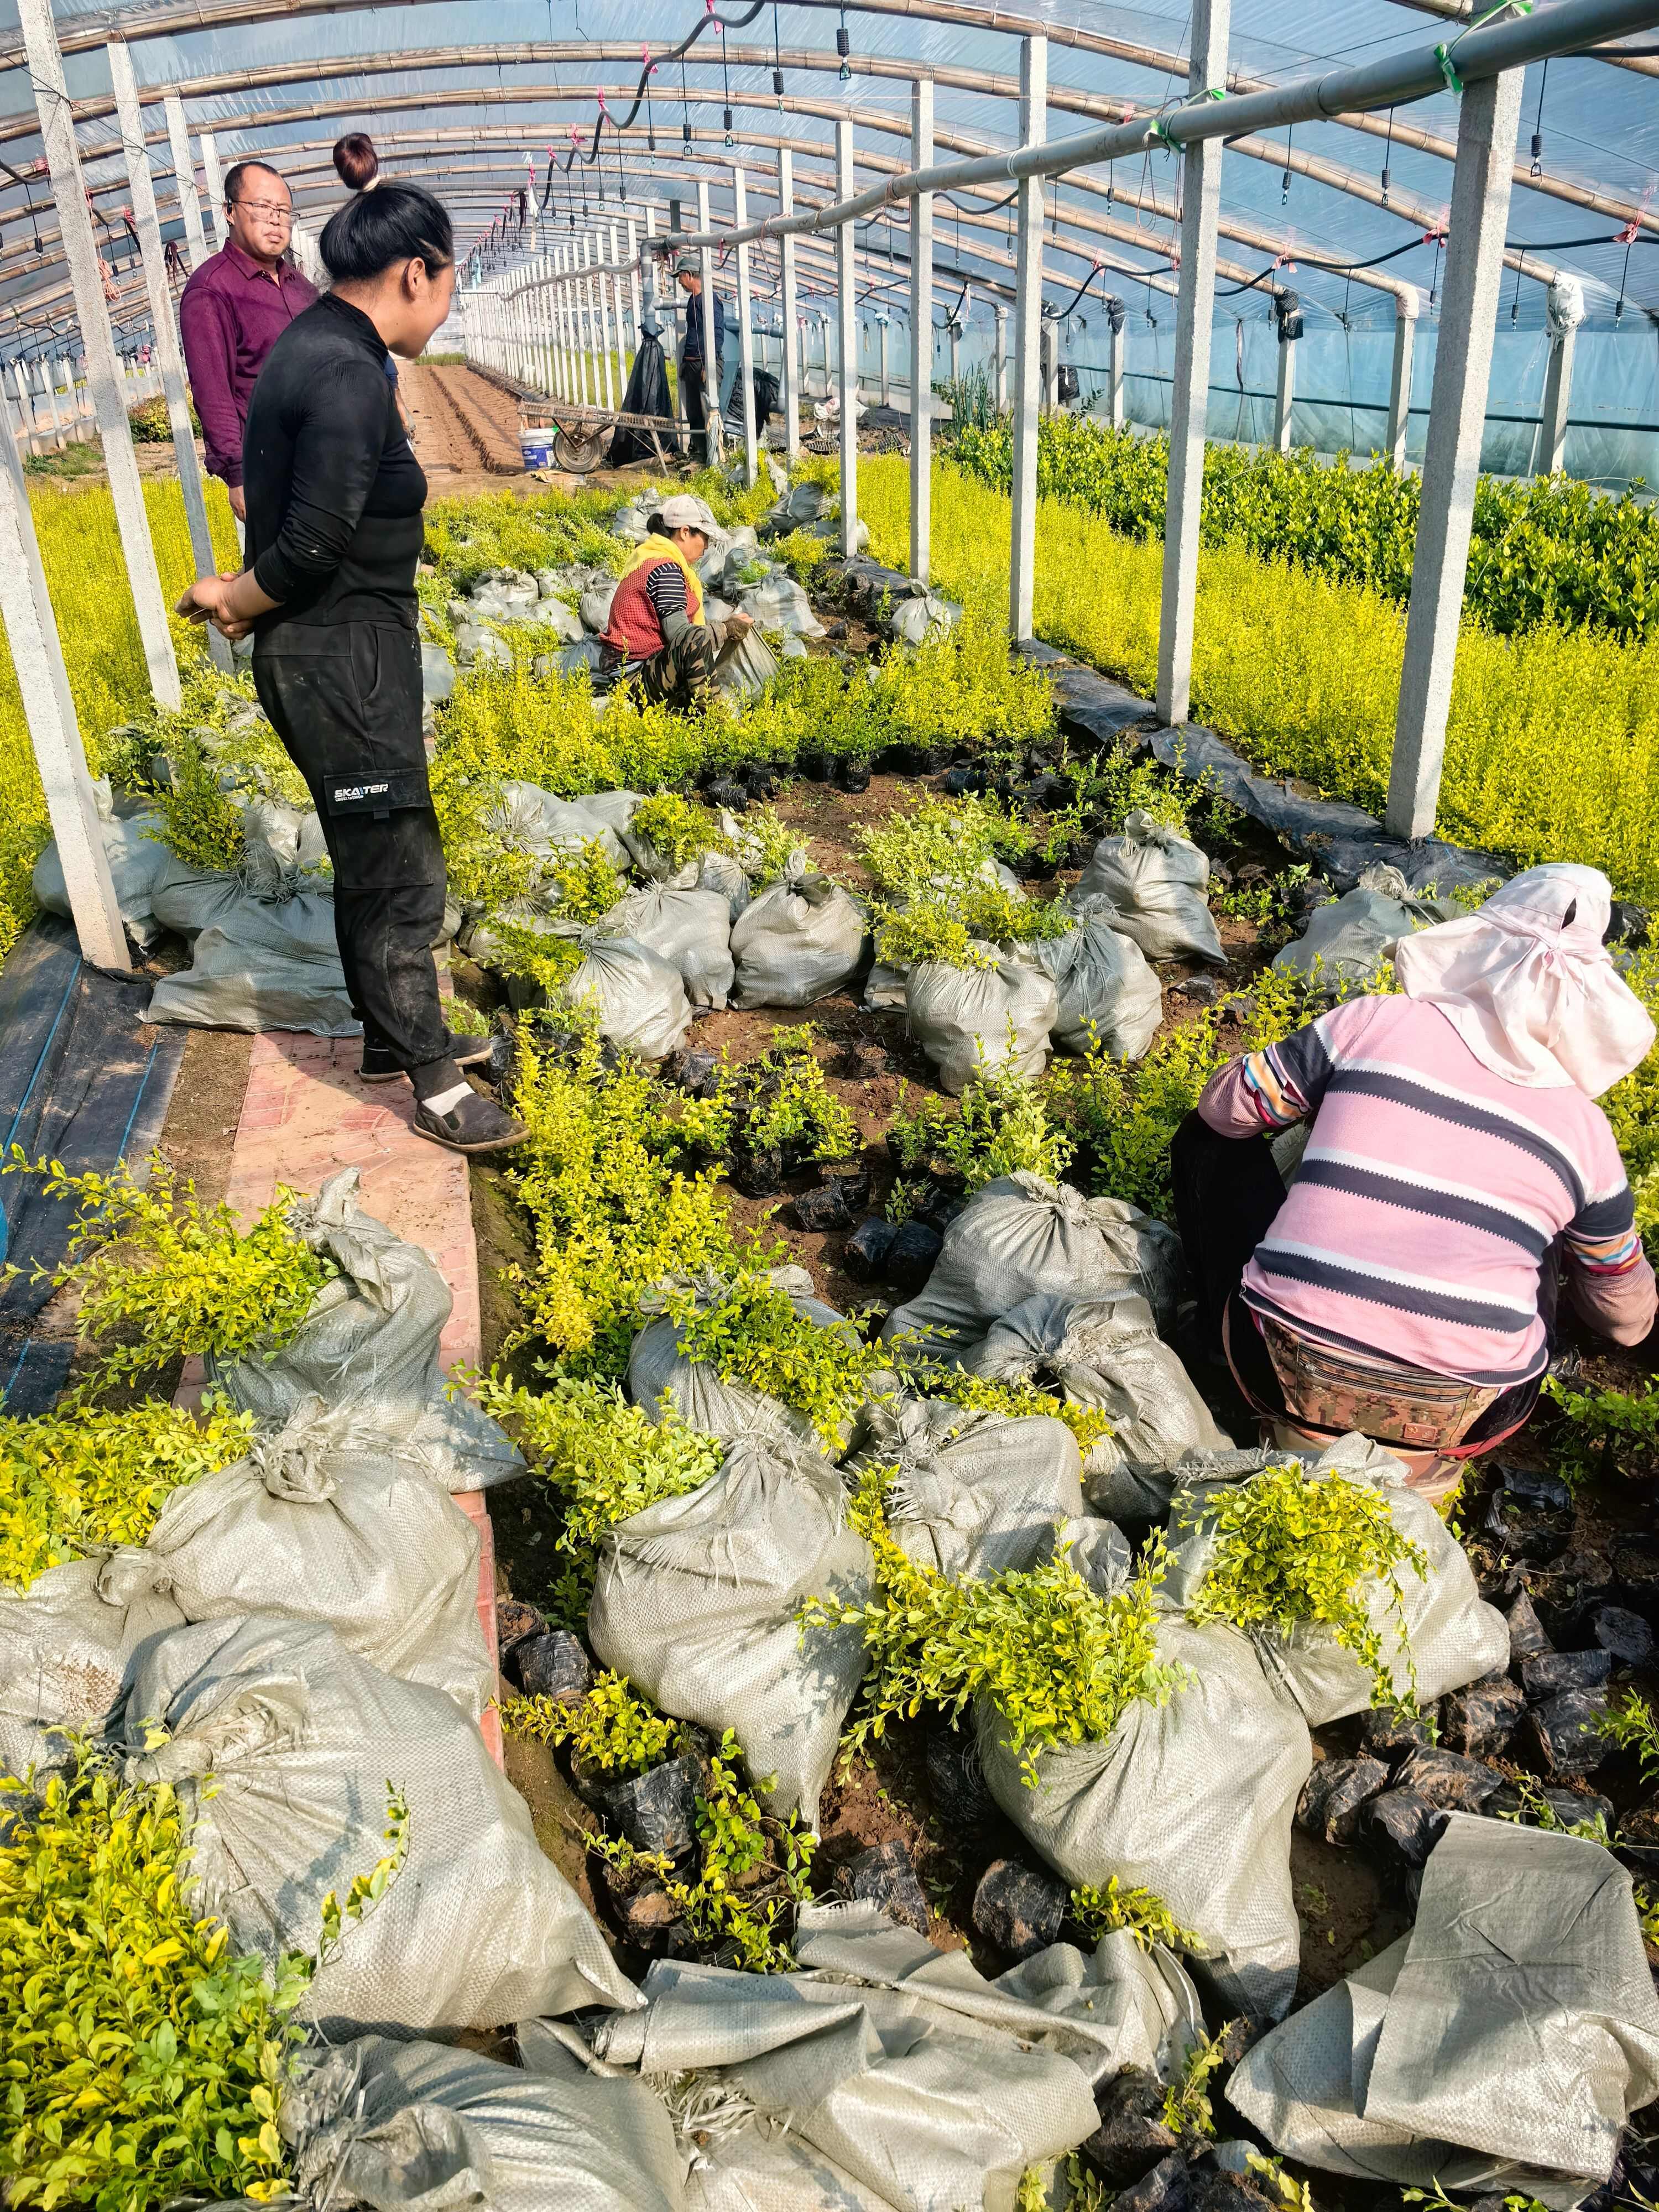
(1553, 741)
(1551, 551)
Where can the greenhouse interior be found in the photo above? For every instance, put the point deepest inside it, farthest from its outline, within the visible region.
(697, 708)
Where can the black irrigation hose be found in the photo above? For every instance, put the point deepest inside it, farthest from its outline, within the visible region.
(673, 54)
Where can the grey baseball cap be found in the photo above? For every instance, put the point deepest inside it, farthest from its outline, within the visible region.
(686, 511)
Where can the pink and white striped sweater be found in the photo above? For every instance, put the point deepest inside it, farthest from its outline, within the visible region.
(1429, 1194)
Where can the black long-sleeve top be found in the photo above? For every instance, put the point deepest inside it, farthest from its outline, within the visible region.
(334, 491)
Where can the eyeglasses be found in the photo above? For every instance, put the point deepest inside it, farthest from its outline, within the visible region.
(266, 208)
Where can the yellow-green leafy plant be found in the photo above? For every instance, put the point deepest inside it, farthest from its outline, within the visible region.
(613, 1207)
(957, 926)
(1605, 1432)
(1098, 1910)
(1188, 2111)
(604, 1459)
(752, 1334)
(779, 1101)
(999, 1127)
(751, 1870)
(681, 829)
(933, 839)
(1059, 1663)
(1293, 1551)
(201, 826)
(545, 959)
(584, 886)
(612, 1732)
(977, 1393)
(161, 1274)
(1630, 1724)
(141, 2062)
(71, 1480)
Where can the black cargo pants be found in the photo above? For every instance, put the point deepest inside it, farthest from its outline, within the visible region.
(345, 700)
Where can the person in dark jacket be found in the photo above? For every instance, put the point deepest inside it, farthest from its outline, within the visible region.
(334, 531)
(693, 369)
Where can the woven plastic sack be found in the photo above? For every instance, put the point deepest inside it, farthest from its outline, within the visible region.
(437, 674)
(914, 621)
(1499, 2046)
(1437, 1635)
(1020, 1236)
(744, 666)
(931, 2087)
(1349, 940)
(1109, 995)
(659, 1373)
(779, 604)
(264, 961)
(595, 608)
(690, 929)
(132, 845)
(801, 504)
(419, 2127)
(1154, 878)
(637, 997)
(973, 1492)
(696, 1601)
(1106, 1355)
(1193, 1800)
(972, 1020)
(64, 1655)
(529, 820)
(802, 937)
(313, 1526)
(369, 1348)
(300, 1737)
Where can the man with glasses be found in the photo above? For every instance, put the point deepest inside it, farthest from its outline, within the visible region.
(234, 310)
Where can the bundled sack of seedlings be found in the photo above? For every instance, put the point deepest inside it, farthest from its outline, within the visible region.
(369, 1348)
(1190, 1794)
(777, 604)
(1020, 1236)
(264, 954)
(324, 1524)
(899, 2065)
(1153, 879)
(65, 1651)
(744, 666)
(1108, 996)
(970, 1493)
(1501, 2046)
(800, 938)
(1349, 941)
(690, 928)
(923, 617)
(801, 505)
(884, 986)
(132, 833)
(1349, 1584)
(527, 819)
(996, 1014)
(386, 2124)
(1105, 1354)
(696, 1600)
(663, 1371)
(637, 997)
(280, 1743)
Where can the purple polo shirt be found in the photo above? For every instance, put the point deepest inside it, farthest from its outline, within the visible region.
(231, 314)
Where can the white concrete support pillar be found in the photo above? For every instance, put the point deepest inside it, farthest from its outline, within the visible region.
(881, 356)
(1028, 338)
(1115, 368)
(169, 359)
(307, 253)
(555, 321)
(745, 335)
(847, 317)
(955, 336)
(26, 424)
(619, 300)
(634, 290)
(1000, 359)
(37, 656)
(584, 347)
(1285, 393)
(86, 270)
(1405, 307)
(921, 335)
(49, 403)
(602, 285)
(184, 172)
(1190, 397)
(214, 210)
(1567, 311)
(1488, 119)
(792, 334)
(711, 373)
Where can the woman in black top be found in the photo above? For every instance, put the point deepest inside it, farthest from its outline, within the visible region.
(334, 496)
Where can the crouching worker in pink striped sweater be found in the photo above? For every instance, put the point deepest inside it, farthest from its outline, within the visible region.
(1457, 1172)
